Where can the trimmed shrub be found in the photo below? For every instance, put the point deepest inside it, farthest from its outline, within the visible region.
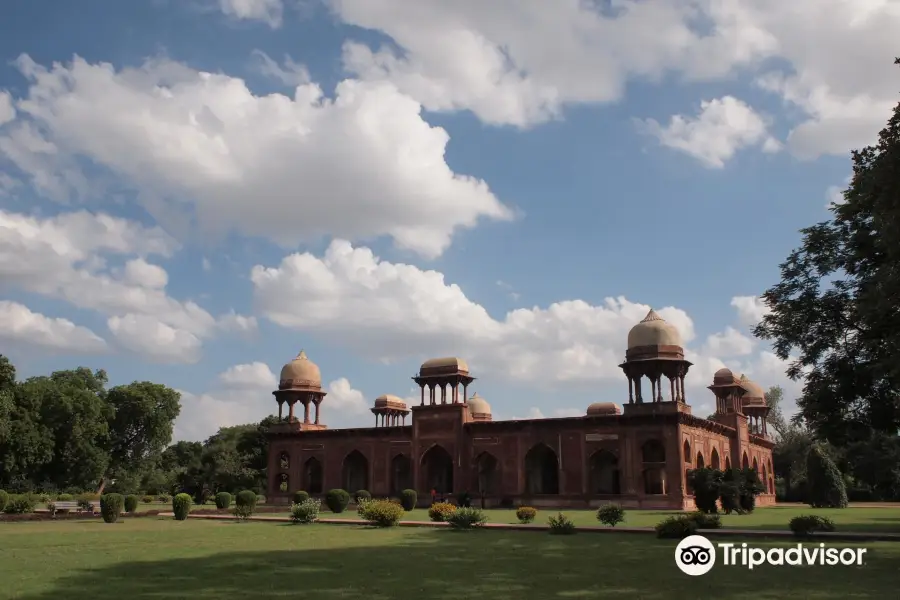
(467, 518)
(337, 500)
(750, 488)
(561, 524)
(223, 500)
(244, 504)
(361, 507)
(526, 514)
(4, 498)
(131, 503)
(677, 528)
(706, 521)
(807, 525)
(65, 498)
(148, 499)
(300, 497)
(382, 513)
(20, 504)
(439, 511)
(611, 514)
(306, 512)
(181, 506)
(260, 499)
(111, 507)
(707, 486)
(164, 498)
(826, 487)
(361, 495)
(408, 499)
(730, 491)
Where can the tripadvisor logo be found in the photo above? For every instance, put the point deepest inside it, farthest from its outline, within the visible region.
(696, 555)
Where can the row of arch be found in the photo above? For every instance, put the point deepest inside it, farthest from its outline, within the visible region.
(766, 475)
(542, 468)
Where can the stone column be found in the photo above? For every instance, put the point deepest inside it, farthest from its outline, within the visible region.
(630, 390)
(306, 412)
(672, 395)
(291, 403)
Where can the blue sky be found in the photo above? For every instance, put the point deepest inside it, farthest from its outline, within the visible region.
(197, 190)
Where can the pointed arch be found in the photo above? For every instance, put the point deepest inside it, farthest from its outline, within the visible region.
(437, 467)
(355, 472)
(745, 462)
(727, 463)
(541, 470)
(401, 473)
(603, 470)
(687, 452)
(312, 476)
(714, 459)
(700, 462)
(653, 455)
(755, 465)
(487, 470)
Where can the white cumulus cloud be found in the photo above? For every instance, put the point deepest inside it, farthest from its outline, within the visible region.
(20, 327)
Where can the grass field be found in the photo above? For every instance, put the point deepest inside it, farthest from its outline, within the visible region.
(165, 559)
(884, 520)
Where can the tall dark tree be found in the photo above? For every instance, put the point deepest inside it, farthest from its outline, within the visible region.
(775, 418)
(837, 305)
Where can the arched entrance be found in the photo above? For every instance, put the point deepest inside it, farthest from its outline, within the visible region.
(437, 465)
(401, 474)
(487, 468)
(714, 459)
(746, 462)
(541, 471)
(604, 473)
(355, 473)
(700, 462)
(312, 477)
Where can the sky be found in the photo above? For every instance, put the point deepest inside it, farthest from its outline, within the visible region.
(193, 191)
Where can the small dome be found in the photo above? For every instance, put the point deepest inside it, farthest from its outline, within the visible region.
(753, 393)
(653, 331)
(723, 377)
(603, 408)
(300, 372)
(390, 401)
(449, 363)
(478, 405)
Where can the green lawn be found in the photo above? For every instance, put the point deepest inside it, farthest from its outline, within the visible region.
(885, 520)
(162, 558)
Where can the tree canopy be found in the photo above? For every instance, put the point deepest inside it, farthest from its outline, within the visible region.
(836, 311)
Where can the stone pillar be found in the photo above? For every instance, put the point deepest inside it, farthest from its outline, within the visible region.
(637, 389)
(672, 395)
(683, 396)
(659, 396)
(630, 390)
(318, 403)
(291, 403)
(422, 389)
(280, 409)
(306, 412)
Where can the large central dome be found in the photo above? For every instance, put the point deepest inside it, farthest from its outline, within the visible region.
(653, 331)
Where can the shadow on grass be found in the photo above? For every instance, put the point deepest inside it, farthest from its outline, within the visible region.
(447, 565)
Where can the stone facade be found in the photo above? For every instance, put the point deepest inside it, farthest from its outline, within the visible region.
(638, 457)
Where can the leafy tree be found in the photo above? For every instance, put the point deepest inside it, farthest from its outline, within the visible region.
(836, 304)
(140, 427)
(775, 418)
(825, 483)
(876, 463)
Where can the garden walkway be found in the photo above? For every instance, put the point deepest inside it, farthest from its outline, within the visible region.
(847, 536)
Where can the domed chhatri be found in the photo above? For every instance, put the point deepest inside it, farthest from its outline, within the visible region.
(300, 373)
(653, 331)
(479, 409)
(300, 383)
(446, 375)
(753, 393)
(598, 409)
(724, 376)
(390, 411)
(449, 364)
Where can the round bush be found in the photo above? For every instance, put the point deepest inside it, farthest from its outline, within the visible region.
(148, 499)
(526, 514)
(676, 528)
(164, 498)
(65, 498)
(439, 511)
(223, 500)
(244, 504)
(300, 497)
(409, 499)
(337, 500)
(807, 525)
(706, 521)
(382, 513)
(466, 517)
(611, 514)
(306, 512)
(20, 504)
(181, 506)
(4, 498)
(111, 507)
(361, 495)
(131, 503)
